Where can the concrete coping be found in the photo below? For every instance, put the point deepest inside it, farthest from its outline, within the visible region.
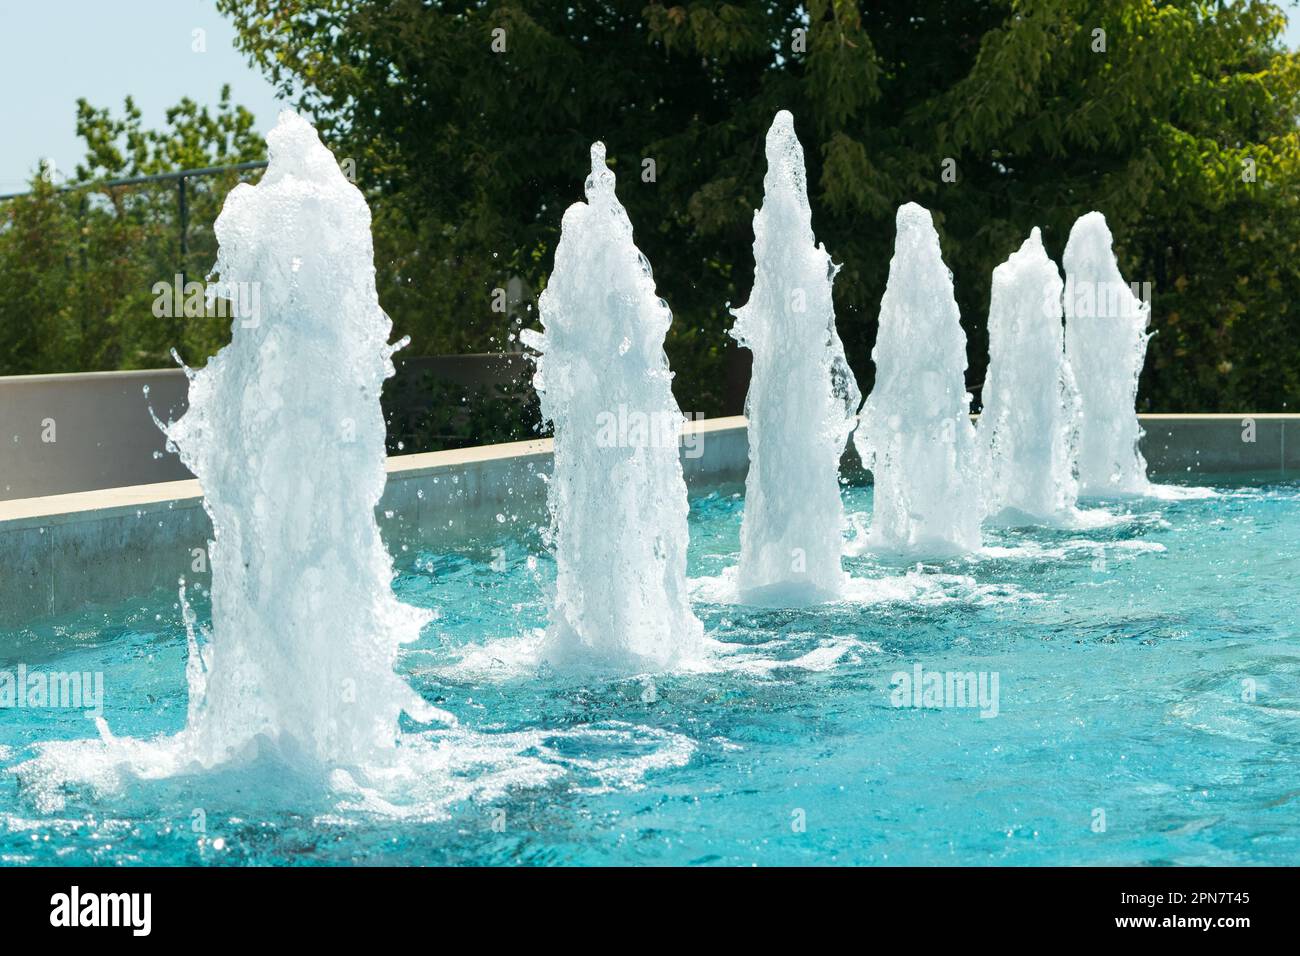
(169, 495)
(144, 499)
(1214, 416)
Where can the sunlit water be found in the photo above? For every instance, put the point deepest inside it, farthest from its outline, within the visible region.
(1126, 657)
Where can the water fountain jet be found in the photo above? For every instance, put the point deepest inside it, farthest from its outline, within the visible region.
(617, 496)
(914, 431)
(802, 396)
(1105, 343)
(284, 431)
(286, 435)
(1028, 428)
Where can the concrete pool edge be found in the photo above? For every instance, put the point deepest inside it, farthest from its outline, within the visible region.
(97, 549)
(87, 550)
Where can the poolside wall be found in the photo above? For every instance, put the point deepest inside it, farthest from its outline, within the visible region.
(68, 553)
(103, 435)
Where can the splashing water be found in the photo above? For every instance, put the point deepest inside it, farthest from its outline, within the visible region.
(914, 431)
(294, 700)
(1105, 342)
(617, 496)
(285, 433)
(1029, 425)
(802, 396)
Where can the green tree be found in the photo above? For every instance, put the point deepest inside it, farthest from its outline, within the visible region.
(38, 237)
(1045, 109)
(79, 265)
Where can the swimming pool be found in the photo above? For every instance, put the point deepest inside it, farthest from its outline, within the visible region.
(1128, 695)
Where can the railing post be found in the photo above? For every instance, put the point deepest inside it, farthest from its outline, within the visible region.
(184, 223)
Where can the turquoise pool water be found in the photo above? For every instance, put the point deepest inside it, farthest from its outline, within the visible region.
(1147, 695)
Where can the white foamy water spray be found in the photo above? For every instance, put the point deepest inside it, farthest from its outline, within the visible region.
(914, 431)
(1029, 424)
(617, 496)
(802, 396)
(1105, 342)
(286, 435)
(294, 700)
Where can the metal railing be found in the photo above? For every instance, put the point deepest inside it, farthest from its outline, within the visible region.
(182, 201)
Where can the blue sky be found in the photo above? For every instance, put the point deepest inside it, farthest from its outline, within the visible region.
(53, 51)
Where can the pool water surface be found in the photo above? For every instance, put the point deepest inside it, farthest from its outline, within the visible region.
(1130, 695)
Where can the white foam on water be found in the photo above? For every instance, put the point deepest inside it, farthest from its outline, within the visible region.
(829, 651)
(1075, 519)
(421, 779)
(802, 398)
(914, 431)
(1177, 492)
(1262, 493)
(521, 659)
(617, 497)
(448, 767)
(1034, 551)
(497, 659)
(725, 589)
(911, 587)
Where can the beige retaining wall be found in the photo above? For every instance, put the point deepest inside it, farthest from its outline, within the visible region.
(103, 434)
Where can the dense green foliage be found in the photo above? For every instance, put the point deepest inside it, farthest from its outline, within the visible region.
(78, 266)
(478, 151)
(1182, 130)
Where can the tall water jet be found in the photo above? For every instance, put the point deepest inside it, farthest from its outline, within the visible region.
(617, 496)
(285, 433)
(802, 396)
(914, 431)
(1105, 342)
(294, 703)
(1028, 428)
